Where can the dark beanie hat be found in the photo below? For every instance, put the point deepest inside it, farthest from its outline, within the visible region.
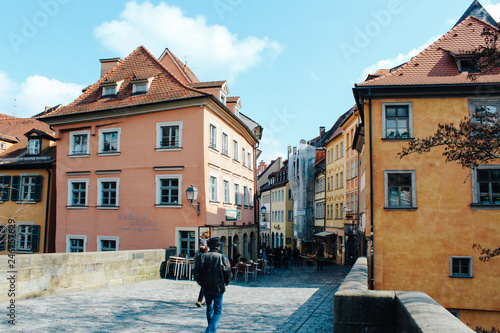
(213, 242)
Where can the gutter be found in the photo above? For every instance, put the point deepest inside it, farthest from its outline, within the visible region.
(47, 199)
(371, 188)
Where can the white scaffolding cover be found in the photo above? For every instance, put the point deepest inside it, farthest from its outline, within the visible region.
(301, 178)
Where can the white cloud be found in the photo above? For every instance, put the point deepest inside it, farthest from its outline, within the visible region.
(393, 62)
(212, 51)
(32, 95)
(494, 10)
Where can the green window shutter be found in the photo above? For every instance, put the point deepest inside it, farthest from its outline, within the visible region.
(5, 190)
(38, 188)
(35, 238)
(3, 236)
(14, 196)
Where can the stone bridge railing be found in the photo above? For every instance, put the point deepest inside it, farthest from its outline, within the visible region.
(357, 309)
(40, 274)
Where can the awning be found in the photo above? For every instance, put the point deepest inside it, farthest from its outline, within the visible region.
(325, 233)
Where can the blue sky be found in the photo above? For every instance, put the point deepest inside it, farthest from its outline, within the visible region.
(293, 63)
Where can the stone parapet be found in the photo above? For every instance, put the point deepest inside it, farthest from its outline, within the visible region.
(42, 274)
(357, 309)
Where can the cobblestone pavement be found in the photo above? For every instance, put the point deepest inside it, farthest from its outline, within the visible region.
(297, 299)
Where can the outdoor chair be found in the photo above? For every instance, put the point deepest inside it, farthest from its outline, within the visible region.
(241, 269)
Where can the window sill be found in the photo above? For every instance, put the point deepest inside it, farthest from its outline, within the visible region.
(78, 155)
(236, 161)
(24, 251)
(108, 207)
(168, 148)
(228, 204)
(26, 202)
(213, 150)
(477, 206)
(462, 276)
(225, 156)
(168, 206)
(400, 208)
(77, 207)
(113, 153)
(213, 202)
(397, 139)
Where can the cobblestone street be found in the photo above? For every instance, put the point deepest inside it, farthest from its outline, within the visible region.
(298, 299)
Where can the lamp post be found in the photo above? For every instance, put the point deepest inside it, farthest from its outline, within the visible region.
(192, 195)
(263, 210)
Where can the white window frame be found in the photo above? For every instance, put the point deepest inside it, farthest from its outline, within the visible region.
(158, 179)
(469, 275)
(413, 189)
(159, 132)
(243, 159)
(236, 151)
(70, 193)
(245, 195)
(34, 146)
(100, 189)
(70, 237)
(141, 83)
(410, 119)
(227, 192)
(249, 155)
(213, 190)
(225, 145)
(115, 85)
(250, 197)
(178, 238)
(212, 137)
(110, 238)
(18, 236)
(475, 187)
(103, 131)
(237, 194)
(72, 143)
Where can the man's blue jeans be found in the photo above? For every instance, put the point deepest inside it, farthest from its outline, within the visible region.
(214, 309)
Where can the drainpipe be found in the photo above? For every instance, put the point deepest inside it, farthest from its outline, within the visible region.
(371, 187)
(46, 243)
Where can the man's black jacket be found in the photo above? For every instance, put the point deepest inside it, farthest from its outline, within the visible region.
(212, 271)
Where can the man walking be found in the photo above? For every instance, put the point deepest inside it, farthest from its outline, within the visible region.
(213, 272)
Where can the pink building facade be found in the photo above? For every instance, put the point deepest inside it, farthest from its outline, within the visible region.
(130, 146)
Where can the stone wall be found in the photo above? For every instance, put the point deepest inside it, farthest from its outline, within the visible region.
(42, 274)
(357, 309)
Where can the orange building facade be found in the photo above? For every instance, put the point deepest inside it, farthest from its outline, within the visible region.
(426, 214)
(134, 142)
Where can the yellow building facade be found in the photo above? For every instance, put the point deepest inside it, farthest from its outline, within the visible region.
(426, 214)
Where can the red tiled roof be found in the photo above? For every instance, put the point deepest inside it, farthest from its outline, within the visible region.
(435, 65)
(232, 99)
(140, 64)
(16, 128)
(210, 84)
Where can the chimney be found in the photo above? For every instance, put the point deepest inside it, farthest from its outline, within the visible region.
(321, 132)
(108, 64)
(294, 150)
(289, 151)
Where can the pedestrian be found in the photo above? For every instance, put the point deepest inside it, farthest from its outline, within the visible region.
(296, 257)
(320, 256)
(213, 273)
(201, 250)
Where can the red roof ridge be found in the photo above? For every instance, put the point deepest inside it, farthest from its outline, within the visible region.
(436, 45)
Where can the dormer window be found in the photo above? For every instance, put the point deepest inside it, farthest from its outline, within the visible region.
(34, 146)
(222, 97)
(141, 86)
(466, 62)
(111, 89)
(467, 65)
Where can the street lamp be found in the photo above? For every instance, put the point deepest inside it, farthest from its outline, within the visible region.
(192, 195)
(263, 210)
